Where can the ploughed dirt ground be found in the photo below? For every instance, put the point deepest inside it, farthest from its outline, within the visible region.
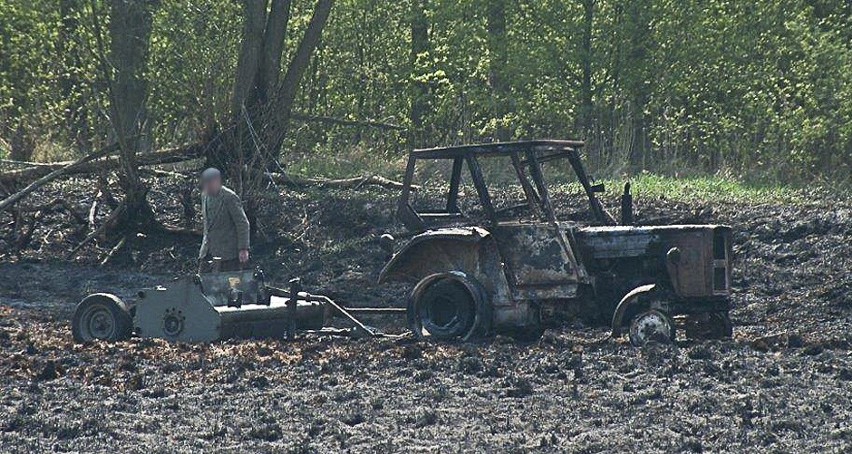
(784, 383)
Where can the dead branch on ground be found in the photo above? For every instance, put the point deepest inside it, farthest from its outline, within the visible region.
(344, 122)
(340, 183)
(96, 163)
(114, 250)
(51, 175)
(112, 219)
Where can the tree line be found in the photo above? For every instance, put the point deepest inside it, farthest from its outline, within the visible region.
(759, 89)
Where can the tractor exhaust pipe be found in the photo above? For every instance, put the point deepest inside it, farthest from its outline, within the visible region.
(627, 206)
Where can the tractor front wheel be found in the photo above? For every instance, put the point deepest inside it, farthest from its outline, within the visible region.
(651, 325)
(101, 317)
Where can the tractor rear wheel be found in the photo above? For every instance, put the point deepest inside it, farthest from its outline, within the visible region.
(444, 307)
(101, 317)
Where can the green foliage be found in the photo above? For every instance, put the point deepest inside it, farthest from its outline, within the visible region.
(49, 94)
(760, 89)
(194, 49)
(27, 78)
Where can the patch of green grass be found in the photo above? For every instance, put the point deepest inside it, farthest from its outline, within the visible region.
(707, 188)
(696, 189)
(689, 189)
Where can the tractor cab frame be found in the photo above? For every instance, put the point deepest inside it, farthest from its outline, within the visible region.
(527, 158)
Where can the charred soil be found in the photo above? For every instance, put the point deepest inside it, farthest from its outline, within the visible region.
(784, 382)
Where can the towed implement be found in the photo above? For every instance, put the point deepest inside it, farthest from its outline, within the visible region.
(215, 306)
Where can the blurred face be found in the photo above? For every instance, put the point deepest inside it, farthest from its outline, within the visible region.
(212, 186)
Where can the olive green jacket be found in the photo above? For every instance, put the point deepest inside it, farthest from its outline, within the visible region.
(226, 227)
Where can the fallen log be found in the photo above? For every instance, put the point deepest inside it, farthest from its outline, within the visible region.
(54, 174)
(345, 122)
(101, 163)
(340, 183)
(23, 163)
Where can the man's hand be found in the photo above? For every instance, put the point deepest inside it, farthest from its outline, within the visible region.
(244, 255)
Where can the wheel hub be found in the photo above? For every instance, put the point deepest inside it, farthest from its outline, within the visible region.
(442, 312)
(100, 323)
(173, 322)
(445, 309)
(648, 326)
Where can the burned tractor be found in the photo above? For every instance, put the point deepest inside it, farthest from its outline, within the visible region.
(215, 306)
(478, 265)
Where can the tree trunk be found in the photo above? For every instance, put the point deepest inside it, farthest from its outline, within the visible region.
(269, 67)
(420, 46)
(498, 53)
(584, 124)
(23, 145)
(68, 46)
(278, 118)
(584, 119)
(249, 59)
(259, 62)
(259, 121)
(638, 27)
(237, 146)
(262, 100)
(130, 37)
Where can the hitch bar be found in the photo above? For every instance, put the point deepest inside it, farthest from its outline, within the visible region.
(360, 329)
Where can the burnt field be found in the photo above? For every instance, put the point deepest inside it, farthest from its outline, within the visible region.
(784, 383)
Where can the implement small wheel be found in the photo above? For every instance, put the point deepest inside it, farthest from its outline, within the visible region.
(651, 325)
(445, 307)
(101, 316)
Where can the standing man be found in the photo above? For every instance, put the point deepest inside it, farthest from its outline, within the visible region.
(226, 227)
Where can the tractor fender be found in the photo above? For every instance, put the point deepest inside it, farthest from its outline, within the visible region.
(471, 250)
(630, 300)
(441, 250)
